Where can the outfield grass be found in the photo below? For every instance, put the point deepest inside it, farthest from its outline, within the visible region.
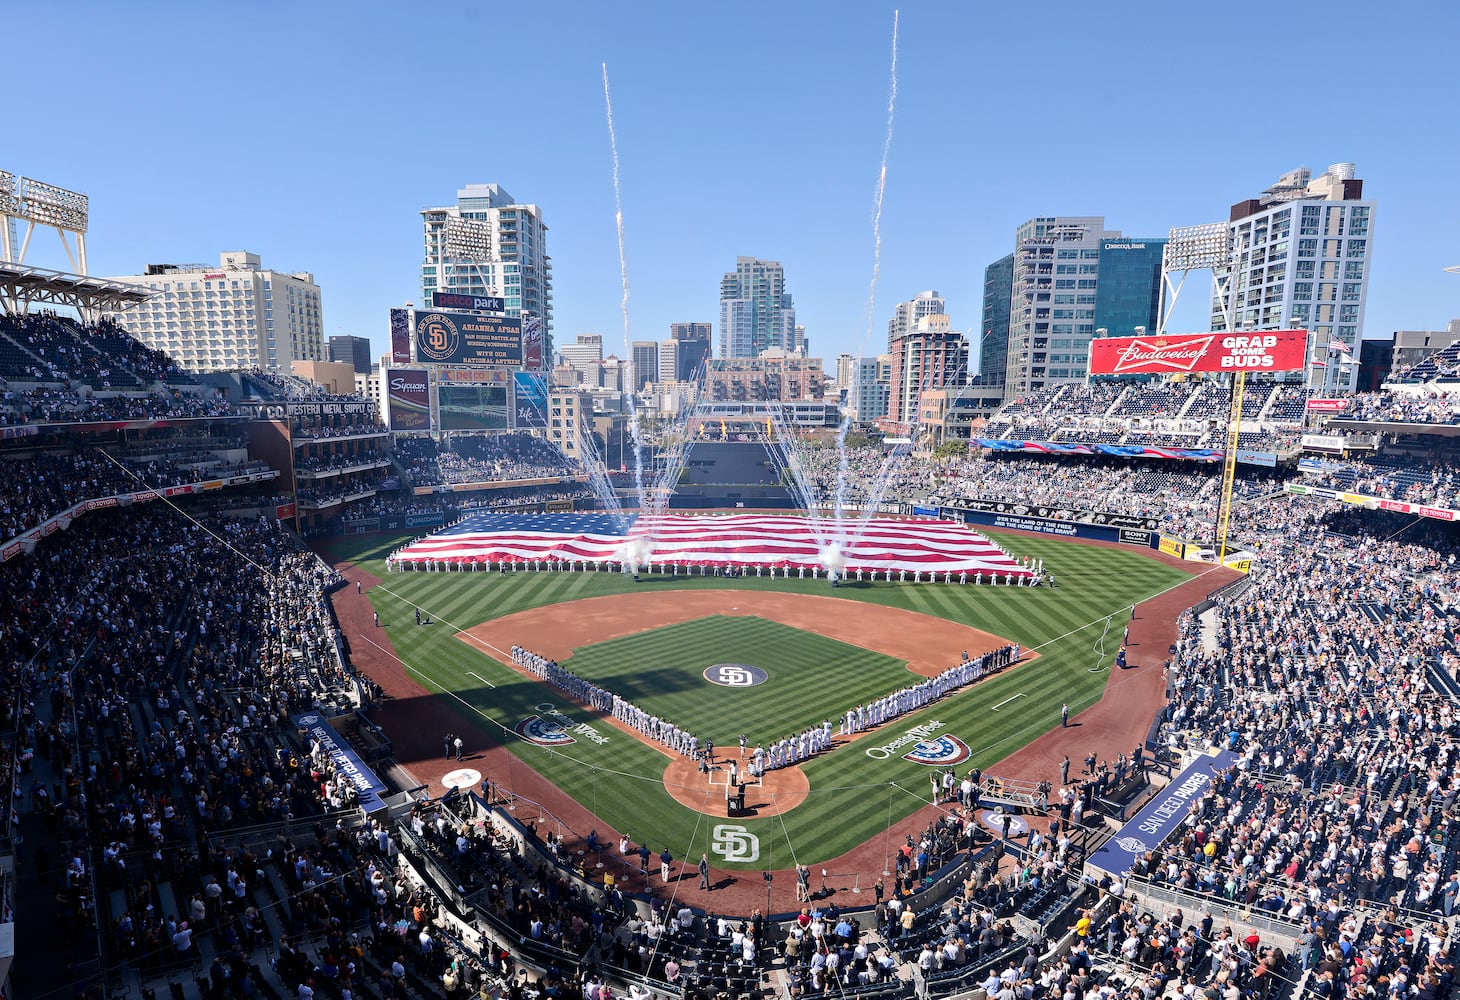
(853, 796)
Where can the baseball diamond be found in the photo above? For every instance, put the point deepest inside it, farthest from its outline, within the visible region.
(650, 644)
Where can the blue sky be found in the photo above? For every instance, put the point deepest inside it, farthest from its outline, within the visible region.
(313, 134)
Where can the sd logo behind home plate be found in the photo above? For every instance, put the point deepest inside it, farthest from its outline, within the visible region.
(535, 729)
(943, 751)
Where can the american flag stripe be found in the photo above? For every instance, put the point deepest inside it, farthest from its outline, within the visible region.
(876, 543)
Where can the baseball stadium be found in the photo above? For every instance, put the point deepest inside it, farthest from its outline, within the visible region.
(502, 669)
(942, 709)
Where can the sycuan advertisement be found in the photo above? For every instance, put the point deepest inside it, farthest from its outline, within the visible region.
(408, 399)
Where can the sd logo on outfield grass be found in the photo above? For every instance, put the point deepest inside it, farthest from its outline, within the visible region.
(735, 675)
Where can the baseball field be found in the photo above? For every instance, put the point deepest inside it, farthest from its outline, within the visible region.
(665, 644)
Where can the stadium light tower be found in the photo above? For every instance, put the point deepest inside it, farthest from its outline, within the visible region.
(1207, 247)
(35, 203)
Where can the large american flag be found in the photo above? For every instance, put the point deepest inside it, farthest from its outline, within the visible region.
(877, 543)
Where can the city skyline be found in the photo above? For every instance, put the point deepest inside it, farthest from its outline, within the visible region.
(339, 188)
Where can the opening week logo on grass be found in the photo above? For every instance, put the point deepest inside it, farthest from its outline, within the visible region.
(934, 751)
(536, 729)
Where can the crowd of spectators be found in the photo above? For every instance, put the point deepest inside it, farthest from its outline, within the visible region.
(55, 348)
(1416, 480)
(1433, 406)
(329, 492)
(153, 665)
(36, 486)
(293, 388)
(479, 458)
(335, 463)
(348, 427)
(59, 404)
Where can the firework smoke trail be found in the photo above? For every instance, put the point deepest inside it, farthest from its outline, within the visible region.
(882, 185)
(841, 434)
(623, 274)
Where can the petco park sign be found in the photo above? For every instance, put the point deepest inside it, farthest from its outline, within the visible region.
(1269, 351)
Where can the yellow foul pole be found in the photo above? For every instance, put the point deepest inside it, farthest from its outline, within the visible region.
(1229, 469)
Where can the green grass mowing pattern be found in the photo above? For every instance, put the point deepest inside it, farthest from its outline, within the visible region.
(663, 673)
(853, 797)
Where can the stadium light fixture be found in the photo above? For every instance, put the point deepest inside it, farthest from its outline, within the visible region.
(36, 203)
(1207, 247)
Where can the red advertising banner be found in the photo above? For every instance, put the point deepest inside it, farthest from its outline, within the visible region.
(284, 511)
(1267, 351)
(400, 336)
(1327, 405)
(532, 343)
(408, 399)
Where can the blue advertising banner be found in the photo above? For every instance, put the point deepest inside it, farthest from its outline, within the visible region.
(529, 393)
(368, 785)
(1266, 459)
(1162, 816)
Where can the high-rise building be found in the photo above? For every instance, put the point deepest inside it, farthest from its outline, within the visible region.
(1301, 252)
(906, 314)
(756, 311)
(645, 359)
(776, 374)
(871, 383)
(1054, 302)
(844, 366)
(489, 244)
(993, 344)
(354, 351)
(583, 354)
(236, 315)
(668, 362)
(1128, 295)
(694, 348)
(930, 356)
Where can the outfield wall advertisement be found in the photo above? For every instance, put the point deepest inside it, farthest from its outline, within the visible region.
(1098, 517)
(1050, 526)
(408, 399)
(1377, 503)
(1268, 351)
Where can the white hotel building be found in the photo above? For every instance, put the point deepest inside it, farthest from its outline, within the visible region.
(236, 315)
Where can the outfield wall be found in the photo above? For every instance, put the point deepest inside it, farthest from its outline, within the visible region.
(1139, 536)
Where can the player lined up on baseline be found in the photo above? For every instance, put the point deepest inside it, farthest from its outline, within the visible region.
(915, 696)
(784, 752)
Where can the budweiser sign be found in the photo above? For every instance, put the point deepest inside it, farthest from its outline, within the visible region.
(1147, 355)
(1327, 405)
(1269, 351)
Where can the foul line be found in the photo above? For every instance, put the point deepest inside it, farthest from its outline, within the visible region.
(1006, 701)
(473, 673)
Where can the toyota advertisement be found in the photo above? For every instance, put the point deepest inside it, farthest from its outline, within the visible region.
(408, 399)
(1266, 351)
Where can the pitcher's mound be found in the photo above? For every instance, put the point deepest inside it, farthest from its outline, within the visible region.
(776, 792)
